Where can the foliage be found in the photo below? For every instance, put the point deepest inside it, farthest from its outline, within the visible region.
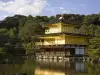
(3, 31)
(2, 53)
(31, 28)
(12, 33)
(94, 47)
(23, 30)
(29, 47)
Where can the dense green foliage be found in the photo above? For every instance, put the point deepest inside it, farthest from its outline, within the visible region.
(20, 31)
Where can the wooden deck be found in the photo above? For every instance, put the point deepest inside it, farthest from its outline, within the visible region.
(61, 46)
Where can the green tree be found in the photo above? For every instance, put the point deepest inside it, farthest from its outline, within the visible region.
(84, 29)
(31, 28)
(12, 33)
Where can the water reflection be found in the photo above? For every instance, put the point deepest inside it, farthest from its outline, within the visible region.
(79, 66)
(15, 66)
(59, 67)
(48, 67)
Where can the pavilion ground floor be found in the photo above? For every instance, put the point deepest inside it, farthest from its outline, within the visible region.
(60, 51)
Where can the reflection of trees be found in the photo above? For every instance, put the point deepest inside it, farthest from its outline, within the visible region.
(20, 66)
(9, 69)
(29, 67)
(66, 68)
(93, 69)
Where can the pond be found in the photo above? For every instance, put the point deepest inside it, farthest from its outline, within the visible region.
(49, 67)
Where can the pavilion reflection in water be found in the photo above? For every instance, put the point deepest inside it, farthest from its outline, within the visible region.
(60, 68)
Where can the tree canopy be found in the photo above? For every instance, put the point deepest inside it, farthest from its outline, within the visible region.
(20, 29)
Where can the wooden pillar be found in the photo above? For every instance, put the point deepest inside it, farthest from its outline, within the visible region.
(85, 50)
(40, 42)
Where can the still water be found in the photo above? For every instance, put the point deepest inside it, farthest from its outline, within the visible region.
(48, 67)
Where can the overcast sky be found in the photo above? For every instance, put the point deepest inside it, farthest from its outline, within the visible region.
(47, 7)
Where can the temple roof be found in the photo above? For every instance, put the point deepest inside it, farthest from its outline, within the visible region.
(56, 20)
(60, 23)
(72, 34)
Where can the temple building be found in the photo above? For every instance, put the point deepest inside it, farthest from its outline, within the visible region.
(62, 40)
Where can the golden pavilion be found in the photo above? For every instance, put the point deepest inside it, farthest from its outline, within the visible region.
(62, 40)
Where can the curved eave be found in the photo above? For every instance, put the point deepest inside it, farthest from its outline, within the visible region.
(72, 34)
